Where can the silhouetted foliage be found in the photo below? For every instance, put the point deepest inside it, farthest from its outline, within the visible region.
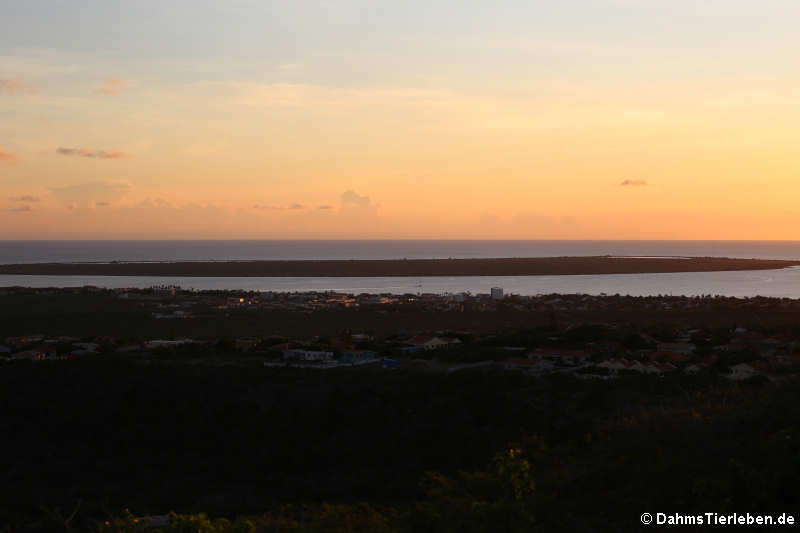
(205, 428)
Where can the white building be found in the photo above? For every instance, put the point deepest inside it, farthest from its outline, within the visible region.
(158, 343)
(433, 343)
(742, 371)
(307, 355)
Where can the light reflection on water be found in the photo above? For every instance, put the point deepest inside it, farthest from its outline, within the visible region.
(776, 283)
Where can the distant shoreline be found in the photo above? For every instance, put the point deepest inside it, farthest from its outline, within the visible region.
(537, 266)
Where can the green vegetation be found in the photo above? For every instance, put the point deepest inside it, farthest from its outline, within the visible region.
(206, 434)
(498, 499)
(361, 450)
(84, 313)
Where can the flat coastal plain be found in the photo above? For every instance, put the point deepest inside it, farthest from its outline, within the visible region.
(537, 266)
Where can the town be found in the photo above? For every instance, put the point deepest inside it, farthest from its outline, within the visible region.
(589, 337)
(302, 404)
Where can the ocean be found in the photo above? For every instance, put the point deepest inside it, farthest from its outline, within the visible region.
(103, 251)
(775, 283)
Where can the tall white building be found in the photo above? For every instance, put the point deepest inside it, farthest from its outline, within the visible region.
(497, 293)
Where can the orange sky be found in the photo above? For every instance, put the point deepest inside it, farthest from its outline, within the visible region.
(473, 135)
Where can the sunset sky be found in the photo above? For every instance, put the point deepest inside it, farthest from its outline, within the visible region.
(610, 119)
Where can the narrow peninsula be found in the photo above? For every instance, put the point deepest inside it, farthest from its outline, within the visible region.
(536, 266)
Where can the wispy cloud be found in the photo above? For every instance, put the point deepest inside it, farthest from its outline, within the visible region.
(90, 194)
(113, 86)
(633, 183)
(21, 209)
(352, 198)
(102, 204)
(27, 198)
(292, 207)
(92, 153)
(6, 156)
(325, 207)
(355, 206)
(16, 86)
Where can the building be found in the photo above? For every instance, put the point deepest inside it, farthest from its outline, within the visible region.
(433, 343)
(31, 355)
(164, 290)
(742, 371)
(247, 343)
(559, 355)
(307, 355)
(159, 343)
(676, 347)
(497, 293)
(357, 356)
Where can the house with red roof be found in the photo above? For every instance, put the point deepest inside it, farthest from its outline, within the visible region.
(650, 367)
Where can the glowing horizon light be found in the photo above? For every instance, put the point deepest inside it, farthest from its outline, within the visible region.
(596, 119)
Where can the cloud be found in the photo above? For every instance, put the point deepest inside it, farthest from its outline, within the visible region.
(21, 209)
(92, 153)
(325, 207)
(155, 203)
(352, 198)
(293, 207)
(102, 204)
(113, 86)
(633, 183)
(355, 207)
(16, 86)
(25, 198)
(6, 156)
(90, 194)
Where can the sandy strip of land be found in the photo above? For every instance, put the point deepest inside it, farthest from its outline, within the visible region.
(538, 266)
